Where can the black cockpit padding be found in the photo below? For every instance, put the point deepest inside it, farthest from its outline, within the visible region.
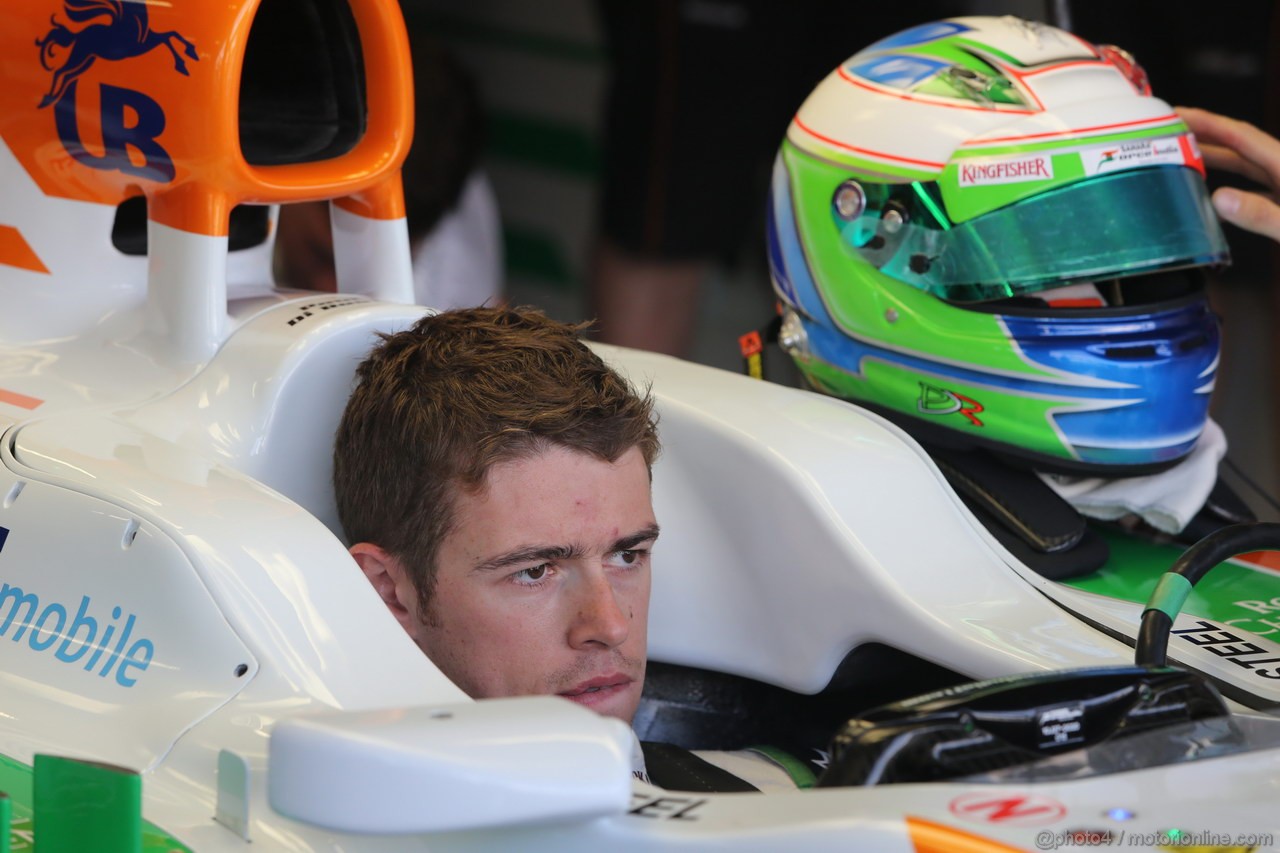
(1087, 556)
(1028, 518)
(1019, 498)
(677, 769)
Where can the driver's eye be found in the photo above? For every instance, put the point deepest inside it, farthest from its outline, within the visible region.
(629, 557)
(537, 573)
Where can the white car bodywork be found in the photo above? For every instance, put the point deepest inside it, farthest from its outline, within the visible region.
(176, 597)
(794, 530)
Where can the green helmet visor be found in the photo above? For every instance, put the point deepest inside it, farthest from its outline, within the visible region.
(1108, 226)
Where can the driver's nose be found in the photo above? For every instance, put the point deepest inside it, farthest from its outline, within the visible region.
(601, 619)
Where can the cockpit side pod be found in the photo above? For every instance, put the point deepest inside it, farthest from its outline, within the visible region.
(190, 528)
(797, 527)
(103, 612)
(235, 465)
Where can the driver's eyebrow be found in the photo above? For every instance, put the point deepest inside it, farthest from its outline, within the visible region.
(531, 553)
(627, 543)
(546, 553)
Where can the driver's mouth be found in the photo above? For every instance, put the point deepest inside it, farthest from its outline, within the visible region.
(597, 690)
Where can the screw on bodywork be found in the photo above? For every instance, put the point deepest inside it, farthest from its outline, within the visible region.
(130, 533)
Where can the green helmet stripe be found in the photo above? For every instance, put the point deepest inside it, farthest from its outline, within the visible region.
(956, 50)
(1025, 420)
(987, 49)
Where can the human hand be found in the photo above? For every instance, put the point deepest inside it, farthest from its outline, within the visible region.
(1240, 148)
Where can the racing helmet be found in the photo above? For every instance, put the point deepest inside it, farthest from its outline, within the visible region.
(989, 230)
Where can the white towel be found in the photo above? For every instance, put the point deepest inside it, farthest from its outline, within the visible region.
(1167, 501)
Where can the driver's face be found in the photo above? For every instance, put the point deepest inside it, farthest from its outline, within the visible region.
(542, 587)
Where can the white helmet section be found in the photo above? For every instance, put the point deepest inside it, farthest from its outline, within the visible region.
(869, 108)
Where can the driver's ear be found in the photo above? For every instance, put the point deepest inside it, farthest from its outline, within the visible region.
(390, 580)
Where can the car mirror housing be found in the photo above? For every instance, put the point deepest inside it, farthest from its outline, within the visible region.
(442, 768)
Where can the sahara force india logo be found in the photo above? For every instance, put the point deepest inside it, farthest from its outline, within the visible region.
(105, 647)
(1133, 154)
(113, 30)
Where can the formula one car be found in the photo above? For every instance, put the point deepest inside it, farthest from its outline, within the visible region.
(191, 660)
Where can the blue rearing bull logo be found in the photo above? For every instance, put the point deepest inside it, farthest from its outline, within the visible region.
(122, 32)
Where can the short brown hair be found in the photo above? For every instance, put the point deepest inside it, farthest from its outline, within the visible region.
(438, 405)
